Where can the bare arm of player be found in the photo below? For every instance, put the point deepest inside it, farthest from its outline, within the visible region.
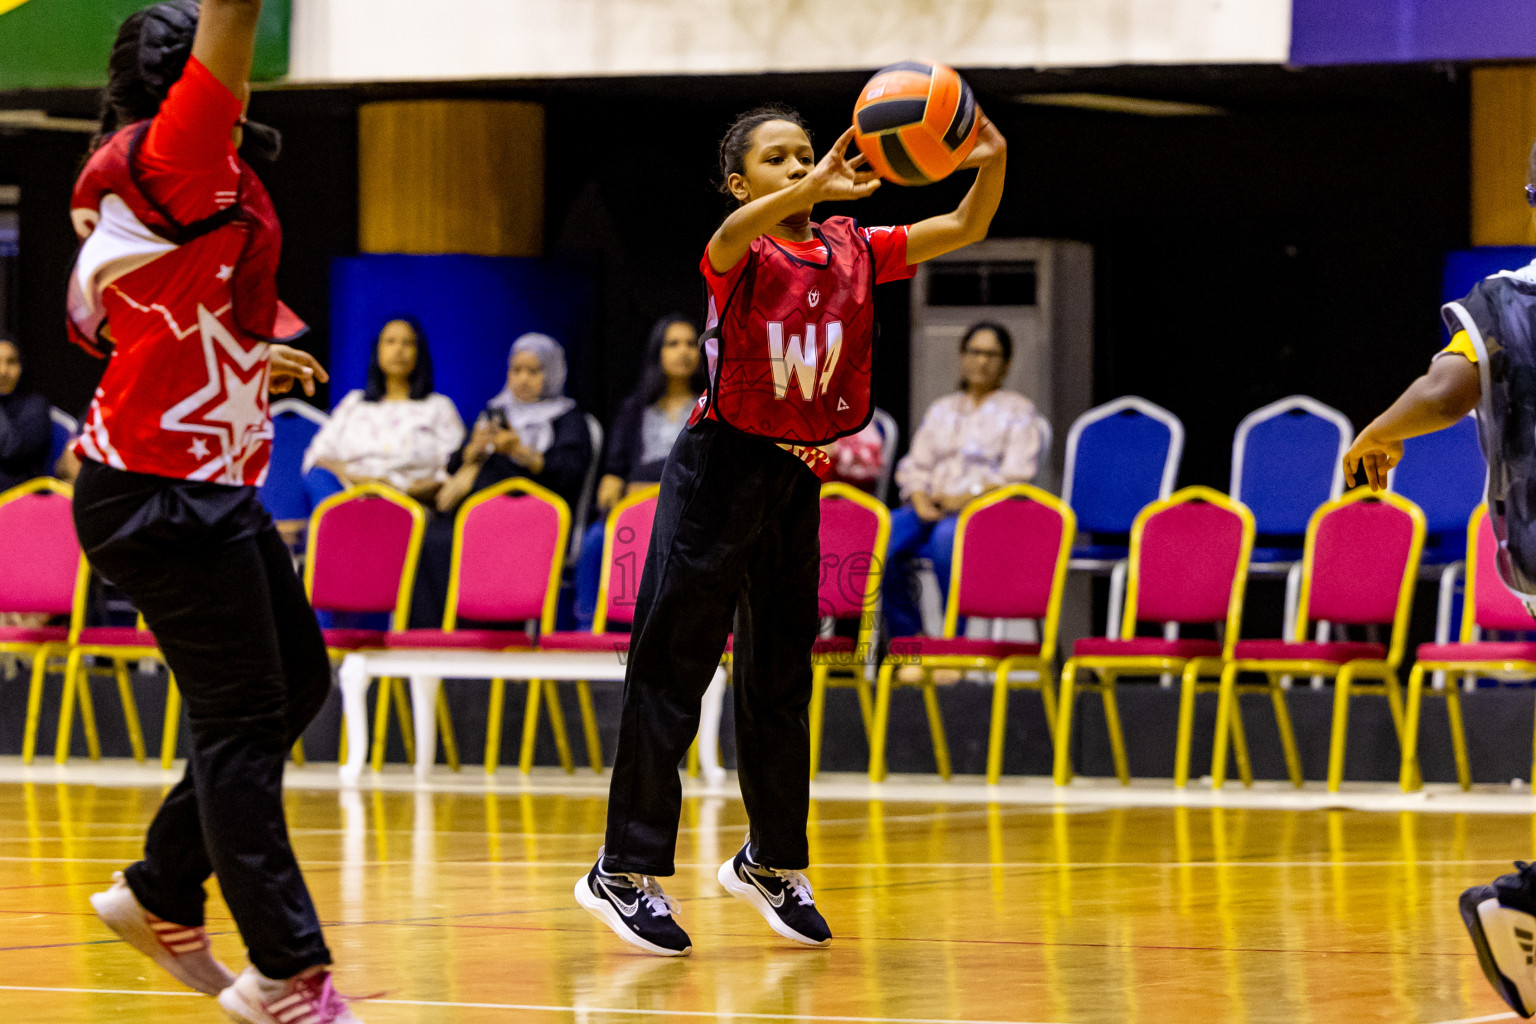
(225, 43)
(834, 178)
(971, 219)
(1441, 397)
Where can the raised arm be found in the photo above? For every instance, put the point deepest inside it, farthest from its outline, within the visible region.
(834, 177)
(225, 43)
(1441, 397)
(971, 219)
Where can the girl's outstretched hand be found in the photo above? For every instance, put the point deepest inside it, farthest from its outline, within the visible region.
(1375, 457)
(836, 177)
(990, 144)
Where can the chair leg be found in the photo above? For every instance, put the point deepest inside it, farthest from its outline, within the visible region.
(1340, 732)
(1062, 766)
(72, 668)
(130, 709)
(445, 731)
(88, 713)
(1458, 737)
(881, 721)
(402, 707)
(866, 701)
(1181, 748)
(1240, 745)
(530, 726)
(171, 729)
(495, 718)
(1287, 731)
(1409, 776)
(816, 715)
(1048, 698)
(936, 730)
(557, 723)
(35, 703)
(381, 722)
(997, 733)
(1226, 698)
(1116, 734)
(692, 763)
(1395, 703)
(589, 725)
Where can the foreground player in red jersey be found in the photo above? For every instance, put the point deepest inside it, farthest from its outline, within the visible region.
(790, 345)
(176, 272)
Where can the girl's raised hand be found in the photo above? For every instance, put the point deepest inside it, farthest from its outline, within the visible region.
(836, 177)
(990, 144)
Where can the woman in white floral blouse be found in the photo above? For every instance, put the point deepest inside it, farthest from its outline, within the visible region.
(974, 441)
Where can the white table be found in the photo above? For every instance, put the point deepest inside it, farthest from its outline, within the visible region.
(426, 669)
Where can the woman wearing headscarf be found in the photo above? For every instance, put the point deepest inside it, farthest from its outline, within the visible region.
(529, 429)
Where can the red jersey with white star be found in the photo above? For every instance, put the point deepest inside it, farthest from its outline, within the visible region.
(176, 272)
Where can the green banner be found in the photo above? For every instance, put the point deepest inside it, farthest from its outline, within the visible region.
(51, 44)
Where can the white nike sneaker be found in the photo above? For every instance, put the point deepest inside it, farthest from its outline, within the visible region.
(636, 908)
(782, 897)
(180, 950)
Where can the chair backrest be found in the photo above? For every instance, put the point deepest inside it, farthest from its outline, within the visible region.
(1121, 457)
(294, 426)
(1361, 563)
(1488, 603)
(1012, 547)
(509, 545)
(855, 529)
(64, 428)
(1443, 473)
(625, 543)
(362, 551)
(1189, 562)
(588, 487)
(890, 441)
(1288, 459)
(38, 549)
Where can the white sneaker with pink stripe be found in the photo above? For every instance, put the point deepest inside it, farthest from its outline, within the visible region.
(306, 999)
(180, 949)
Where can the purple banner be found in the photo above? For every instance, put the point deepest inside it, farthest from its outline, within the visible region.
(1388, 31)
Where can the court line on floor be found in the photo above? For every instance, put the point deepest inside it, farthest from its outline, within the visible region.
(574, 1009)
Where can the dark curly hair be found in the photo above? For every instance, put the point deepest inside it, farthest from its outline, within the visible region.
(738, 137)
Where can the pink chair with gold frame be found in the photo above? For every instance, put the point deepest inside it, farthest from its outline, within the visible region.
(1188, 565)
(42, 561)
(1359, 568)
(1012, 547)
(1488, 604)
(509, 544)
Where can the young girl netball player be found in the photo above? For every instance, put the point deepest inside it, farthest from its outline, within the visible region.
(1490, 366)
(790, 343)
(176, 272)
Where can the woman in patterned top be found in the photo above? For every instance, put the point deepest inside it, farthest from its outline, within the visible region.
(974, 441)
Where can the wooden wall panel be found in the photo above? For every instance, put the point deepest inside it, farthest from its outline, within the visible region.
(1503, 127)
(451, 176)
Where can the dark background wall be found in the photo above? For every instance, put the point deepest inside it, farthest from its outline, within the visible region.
(1292, 244)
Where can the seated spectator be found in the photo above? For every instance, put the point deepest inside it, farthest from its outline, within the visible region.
(397, 431)
(858, 459)
(974, 441)
(26, 433)
(671, 380)
(529, 429)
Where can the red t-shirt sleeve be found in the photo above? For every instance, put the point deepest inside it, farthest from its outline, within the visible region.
(187, 163)
(890, 249)
(720, 285)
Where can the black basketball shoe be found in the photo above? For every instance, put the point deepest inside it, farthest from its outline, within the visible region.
(782, 897)
(1502, 921)
(636, 908)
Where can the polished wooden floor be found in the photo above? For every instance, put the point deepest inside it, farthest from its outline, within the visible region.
(457, 906)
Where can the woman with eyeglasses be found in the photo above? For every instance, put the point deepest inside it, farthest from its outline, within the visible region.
(974, 441)
(1490, 367)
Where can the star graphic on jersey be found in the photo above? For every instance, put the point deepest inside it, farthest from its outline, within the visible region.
(226, 271)
(230, 408)
(199, 449)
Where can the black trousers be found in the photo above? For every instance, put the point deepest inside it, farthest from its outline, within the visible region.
(206, 567)
(735, 537)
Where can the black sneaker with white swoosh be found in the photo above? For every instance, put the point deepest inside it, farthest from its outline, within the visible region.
(636, 908)
(782, 897)
(1501, 918)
